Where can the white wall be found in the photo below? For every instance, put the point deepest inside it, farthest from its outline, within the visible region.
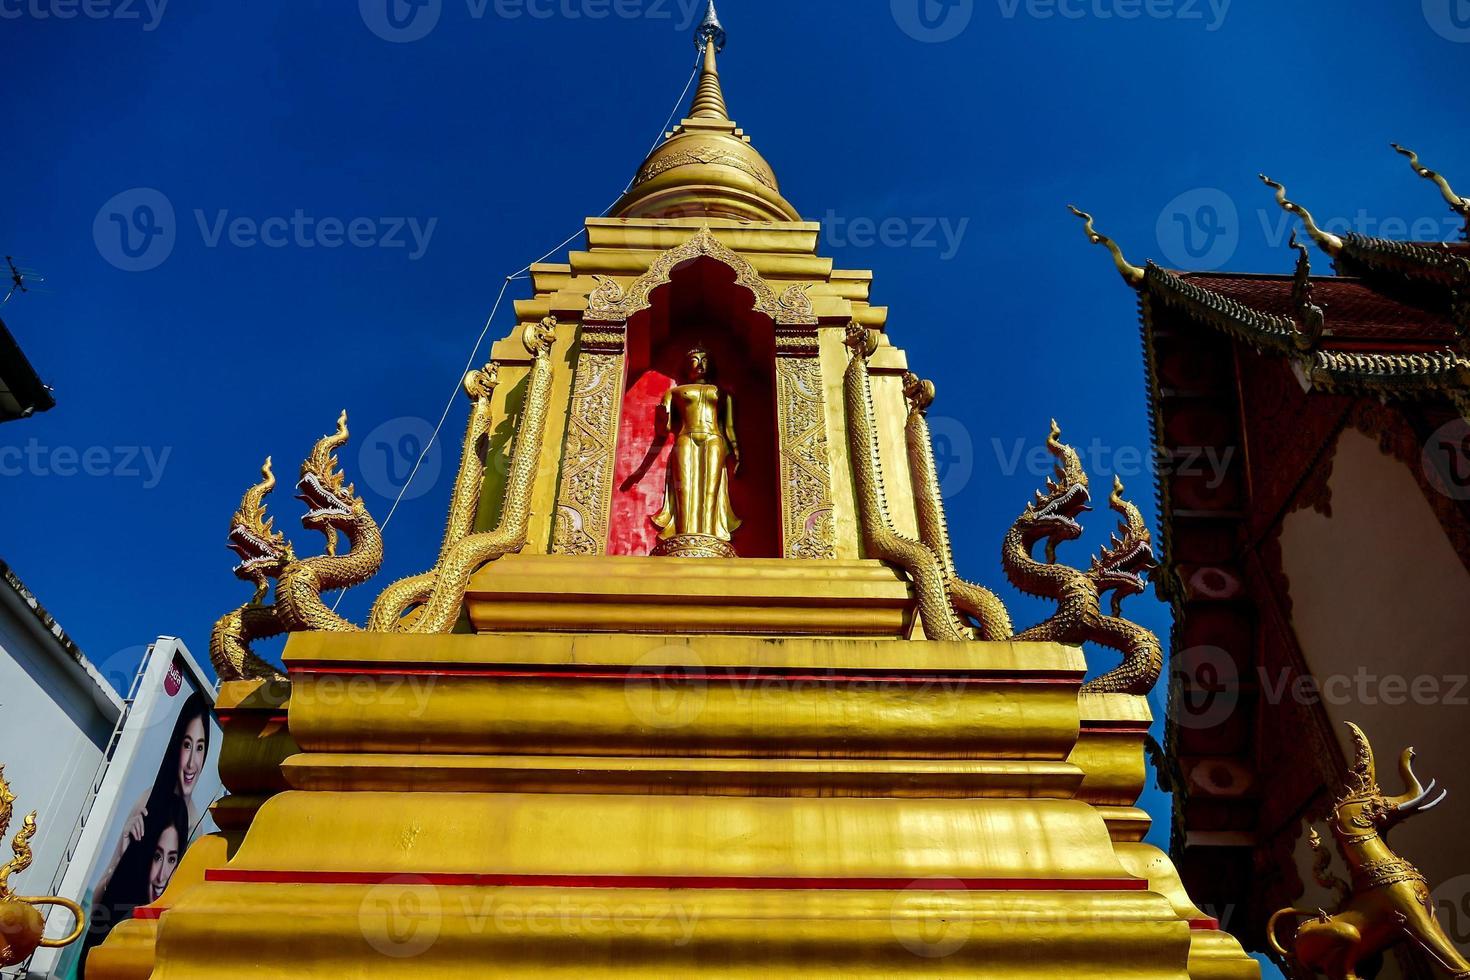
(54, 725)
(1393, 632)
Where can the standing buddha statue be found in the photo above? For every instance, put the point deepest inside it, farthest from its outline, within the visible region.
(697, 520)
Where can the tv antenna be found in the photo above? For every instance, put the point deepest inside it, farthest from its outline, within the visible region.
(21, 279)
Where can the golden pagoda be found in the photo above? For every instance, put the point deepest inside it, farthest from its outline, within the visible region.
(695, 685)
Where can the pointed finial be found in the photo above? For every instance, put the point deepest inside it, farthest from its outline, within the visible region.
(1131, 274)
(1460, 205)
(1329, 242)
(710, 30)
(709, 99)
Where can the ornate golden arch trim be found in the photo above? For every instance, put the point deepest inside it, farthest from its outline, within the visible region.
(610, 302)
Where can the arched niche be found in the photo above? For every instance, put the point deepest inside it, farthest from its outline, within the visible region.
(701, 303)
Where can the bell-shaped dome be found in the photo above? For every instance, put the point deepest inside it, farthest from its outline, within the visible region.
(707, 167)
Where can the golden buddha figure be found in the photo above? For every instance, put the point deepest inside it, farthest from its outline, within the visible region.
(697, 520)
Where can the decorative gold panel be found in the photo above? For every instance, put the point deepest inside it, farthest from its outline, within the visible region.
(806, 464)
(584, 499)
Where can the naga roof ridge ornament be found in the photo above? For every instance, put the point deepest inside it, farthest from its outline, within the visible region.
(1311, 319)
(1460, 205)
(1329, 243)
(1131, 274)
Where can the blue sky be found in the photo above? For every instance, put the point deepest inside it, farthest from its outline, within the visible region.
(439, 163)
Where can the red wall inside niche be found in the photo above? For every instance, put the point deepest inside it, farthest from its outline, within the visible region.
(700, 305)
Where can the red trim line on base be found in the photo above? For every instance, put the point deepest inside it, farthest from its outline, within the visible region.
(1115, 729)
(148, 913)
(674, 881)
(702, 674)
(1205, 925)
(228, 716)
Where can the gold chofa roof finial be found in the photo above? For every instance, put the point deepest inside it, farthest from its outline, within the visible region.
(1460, 205)
(1329, 242)
(1131, 274)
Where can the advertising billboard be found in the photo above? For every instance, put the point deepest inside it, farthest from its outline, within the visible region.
(152, 803)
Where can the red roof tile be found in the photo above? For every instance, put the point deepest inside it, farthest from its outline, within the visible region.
(1354, 311)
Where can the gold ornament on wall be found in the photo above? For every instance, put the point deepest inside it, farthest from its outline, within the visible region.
(22, 927)
(1387, 901)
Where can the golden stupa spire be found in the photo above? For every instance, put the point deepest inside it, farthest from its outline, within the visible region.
(707, 167)
(709, 98)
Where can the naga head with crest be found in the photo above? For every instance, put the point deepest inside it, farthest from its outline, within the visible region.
(1363, 809)
(1053, 514)
(332, 503)
(264, 552)
(1122, 564)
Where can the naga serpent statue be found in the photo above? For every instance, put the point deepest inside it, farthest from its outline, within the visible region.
(1052, 518)
(1118, 569)
(968, 599)
(924, 567)
(22, 928)
(264, 554)
(333, 509)
(470, 553)
(398, 598)
(1389, 900)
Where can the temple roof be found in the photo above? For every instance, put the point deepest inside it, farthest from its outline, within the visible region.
(1394, 322)
(21, 392)
(707, 166)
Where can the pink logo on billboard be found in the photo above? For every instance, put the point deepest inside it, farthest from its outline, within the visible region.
(174, 682)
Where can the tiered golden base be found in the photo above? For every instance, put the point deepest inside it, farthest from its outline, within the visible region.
(549, 804)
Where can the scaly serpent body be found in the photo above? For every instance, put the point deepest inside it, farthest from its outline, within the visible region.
(472, 552)
(967, 598)
(1143, 658)
(924, 568)
(396, 599)
(229, 642)
(334, 508)
(264, 554)
(299, 593)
